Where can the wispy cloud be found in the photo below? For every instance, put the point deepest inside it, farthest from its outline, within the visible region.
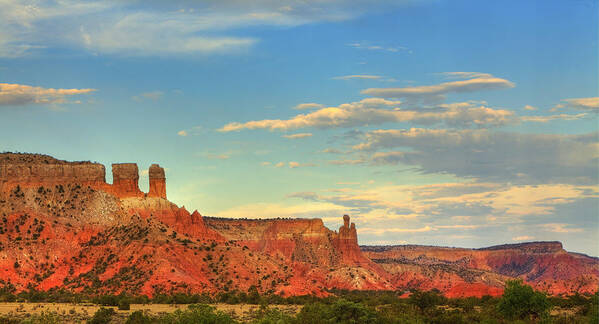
(437, 92)
(358, 76)
(173, 28)
(374, 111)
(380, 231)
(291, 164)
(522, 238)
(310, 105)
(195, 130)
(153, 95)
(19, 95)
(298, 136)
(545, 119)
(376, 47)
(589, 104)
(561, 228)
(465, 75)
(216, 156)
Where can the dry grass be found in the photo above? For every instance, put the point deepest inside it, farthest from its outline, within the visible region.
(75, 313)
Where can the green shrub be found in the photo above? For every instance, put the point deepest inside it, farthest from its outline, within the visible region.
(520, 301)
(102, 316)
(200, 314)
(124, 305)
(341, 311)
(427, 299)
(44, 317)
(138, 317)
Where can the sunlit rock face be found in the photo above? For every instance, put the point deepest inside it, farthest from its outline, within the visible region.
(157, 181)
(125, 180)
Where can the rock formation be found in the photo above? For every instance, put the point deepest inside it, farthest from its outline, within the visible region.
(125, 180)
(346, 243)
(63, 226)
(157, 182)
(40, 170)
(475, 272)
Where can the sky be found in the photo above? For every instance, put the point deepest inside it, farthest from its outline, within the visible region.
(438, 122)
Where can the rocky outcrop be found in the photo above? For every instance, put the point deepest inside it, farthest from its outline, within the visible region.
(39, 170)
(157, 181)
(125, 180)
(177, 218)
(346, 242)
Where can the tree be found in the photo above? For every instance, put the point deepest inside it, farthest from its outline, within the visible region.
(520, 301)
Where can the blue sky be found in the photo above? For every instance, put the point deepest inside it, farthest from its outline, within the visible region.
(459, 123)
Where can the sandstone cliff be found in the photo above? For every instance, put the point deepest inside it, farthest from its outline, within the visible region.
(157, 182)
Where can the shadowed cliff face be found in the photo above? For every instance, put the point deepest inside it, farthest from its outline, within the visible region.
(62, 225)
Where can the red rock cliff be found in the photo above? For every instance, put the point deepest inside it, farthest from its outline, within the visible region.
(157, 182)
(125, 180)
(32, 170)
(346, 243)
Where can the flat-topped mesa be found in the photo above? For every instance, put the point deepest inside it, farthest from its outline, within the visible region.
(157, 181)
(125, 180)
(32, 170)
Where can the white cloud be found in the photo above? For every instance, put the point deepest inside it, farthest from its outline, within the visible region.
(169, 28)
(347, 162)
(19, 94)
(380, 231)
(373, 47)
(216, 156)
(465, 75)
(298, 136)
(196, 130)
(589, 104)
(373, 111)
(561, 228)
(438, 91)
(545, 119)
(293, 165)
(309, 105)
(358, 76)
(530, 108)
(522, 238)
